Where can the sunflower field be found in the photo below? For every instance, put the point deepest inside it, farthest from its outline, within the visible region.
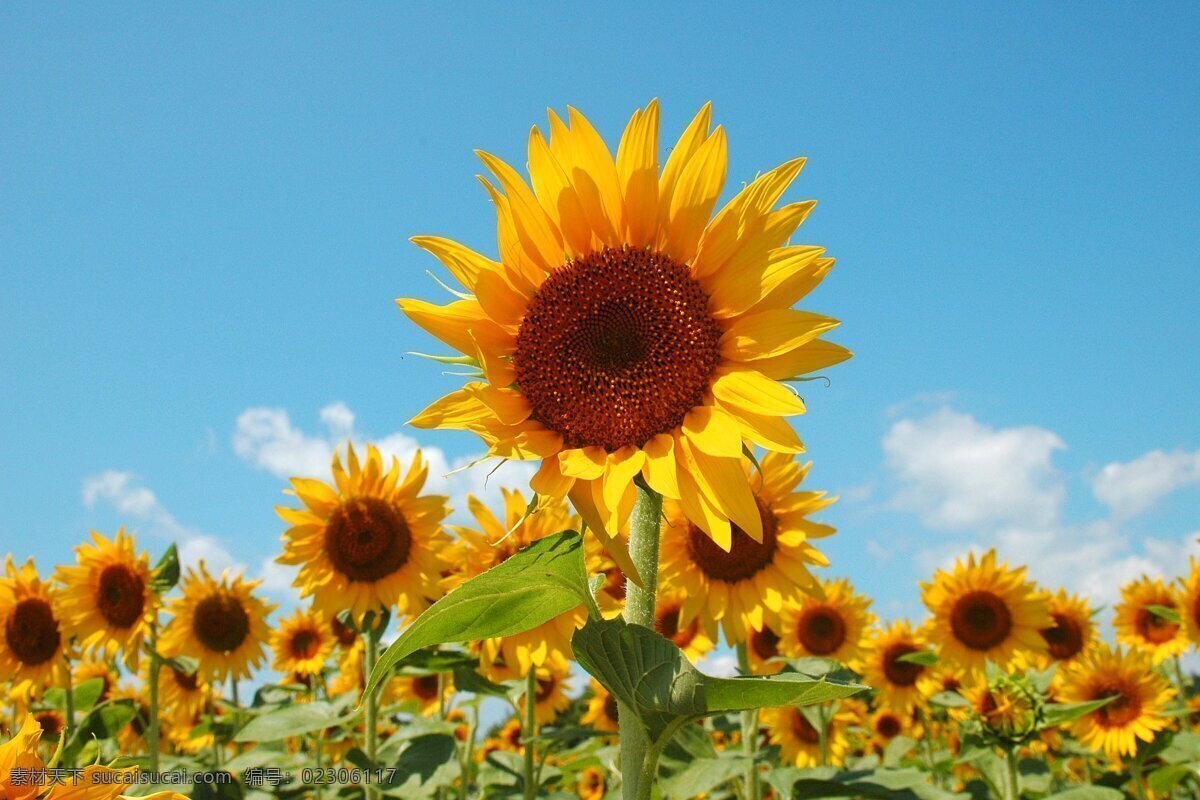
(643, 350)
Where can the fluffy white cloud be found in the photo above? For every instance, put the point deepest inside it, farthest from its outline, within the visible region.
(1132, 487)
(959, 474)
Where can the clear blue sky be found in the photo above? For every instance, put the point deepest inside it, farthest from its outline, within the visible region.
(205, 208)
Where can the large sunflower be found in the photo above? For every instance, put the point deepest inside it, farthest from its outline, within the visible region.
(108, 596)
(623, 332)
(31, 638)
(984, 611)
(302, 643)
(831, 625)
(1141, 626)
(1073, 631)
(220, 623)
(799, 740)
(745, 586)
(883, 666)
(370, 541)
(1137, 712)
(550, 698)
(182, 692)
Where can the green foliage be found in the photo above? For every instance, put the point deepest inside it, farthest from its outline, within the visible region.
(166, 572)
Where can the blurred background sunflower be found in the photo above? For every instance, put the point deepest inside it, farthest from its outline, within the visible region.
(301, 643)
(1148, 619)
(884, 667)
(830, 623)
(797, 732)
(31, 647)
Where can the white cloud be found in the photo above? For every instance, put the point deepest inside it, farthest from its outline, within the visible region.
(719, 665)
(959, 474)
(1132, 487)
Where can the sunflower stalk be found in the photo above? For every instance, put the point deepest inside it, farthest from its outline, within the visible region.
(639, 610)
(529, 732)
(69, 699)
(155, 665)
(371, 642)
(749, 729)
(1012, 782)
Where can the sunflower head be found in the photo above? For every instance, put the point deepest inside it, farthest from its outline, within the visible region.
(550, 698)
(591, 785)
(601, 711)
(1007, 708)
(885, 724)
(830, 624)
(1073, 630)
(690, 638)
(31, 637)
(885, 668)
(795, 730)
(984, 611)
(181, 691)
(430, 692)
(1140, 698)
(370, 541)
(1148, 618)
(219, 622)
(302, 643)
(622, 331)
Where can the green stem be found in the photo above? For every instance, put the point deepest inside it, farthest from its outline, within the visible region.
(928, 742)
(823, 734)
(464, 786)
(155, 665)
(1012, 784)
(372, 656)
(1180, 681)
(639, 610)
(749, 729)
(530, 731)
(69, 695)
(1135, 770)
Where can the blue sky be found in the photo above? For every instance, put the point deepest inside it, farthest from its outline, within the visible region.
(204, 214)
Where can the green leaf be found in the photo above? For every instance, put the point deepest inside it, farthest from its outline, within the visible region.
(703, 775)
(882, 784)
(289, 721)
(166, 572)
(1165, 612)
(926, 658)
(652, 676)
(1089, 792)
(949, 700)
(543, 580)
(1164, 779)
(1058, 714)
(87, 694)
(435, 662)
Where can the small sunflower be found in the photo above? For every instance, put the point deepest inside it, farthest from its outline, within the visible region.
(1142, 695)
(832, 624)
(886, 724)
(689, 638)
(21, 752)
(882, 666)
(591, 784)
(131, 739)
(350, 675)
(92, 668)
(943, 677)
(623, 332)
(371, 541)
(1142, 627)
(1189, 596)
(985, 612)
(180, 691)
(602, 710)
(421, 689)
(51, 721)
(762, 648)
(220, 623)
(1073, 631)
(799, 740)
(745, 585)
(1005, 708)
(31, 646)
(107, 599)
(551, 697)
(301, 644)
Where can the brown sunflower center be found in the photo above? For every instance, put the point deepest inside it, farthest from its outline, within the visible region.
(305, 643)
(980, 620)
(425, 687)
(614, 583)
(901, 673)
(1064, 639)
(51, 721)
(545, 688)
(1153, 628)
(615, 348)
(367, 539)
(821, 630)
(764, 643)
(804, 730)
(1122, 710)
(611, 709)
(746, 557)
(31, 631)
(345, 635)
(888, 726)
(120, 595)
(188, 681)
(666, 622)
(220, 623)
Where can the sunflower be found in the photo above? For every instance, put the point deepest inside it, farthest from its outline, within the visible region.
(689, 638)
(883, 669)
(108, 597)
(131, 738)
(371, 541)
(1073, 631)
(20, 752)
(800, 741)
(221, 624)
(1005, 707)
(51, 721)
(507, 738)
(92, 668)
(746, 584)
(601, 711)
(97, 782)
(1141, 696)
(830, 625)
(1141, 626)
(622, 332)
(985, 612)
(762, 649)
(181, 691)
(494, 541)
(551, 698)
(31, 646)
(345, 636)
(1189, 596)
(301, 644)
(886, 724)
(591, 784)
(421, 689)
(350, 675)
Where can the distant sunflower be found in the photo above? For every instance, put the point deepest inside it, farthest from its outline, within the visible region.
(551, 697)
(601, 711)
(623, 332)
(762, 648)
(188, 732)
(1073, 631)
(369, 542)
(591, 785)
(494, 541)
(799, 740)
(350, 675)
(1144, 628)
(421, 689)
(92, 668)
(832, 625)
(1003, 707)
(943, 677)
(107, 597)
(31, 646)
(884, 669)
(345, 636)
(689, 638)
(21, 752)
(886, 724)
(51, 721)
(985, 612)
(182, 692)
(745, 585)
(302, 643)
(1142, 695)
(220, 623)
(131, 738)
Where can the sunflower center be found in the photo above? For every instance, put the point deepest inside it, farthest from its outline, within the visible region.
(1064, 640)
(901, 673)
(666, 622)
(220, 623)
(764, 643)
(425, 687)
(345, 635)
(1121, 711)
(614, 583)
(188, 681)
(120, 595)
(32, 631)
(746, 557)
(821, 630)
(888, 726)
(615, 348)
(980, 620)
(804, 729)
(545, 688)
(305, 644)
(51, 721)
(367, 539)
(1153, 628)
(611, 709)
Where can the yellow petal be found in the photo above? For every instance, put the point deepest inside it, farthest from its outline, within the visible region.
(549, 481)
(450, 323)
(766, 334)
(755, 274)
(622, 466)
(724, 481)
(459, 410)
(700, 510)
(509, 405)
(463, 262)
(499, 300)
(595, 159)
(713, 431)
(751, 390)
(694, 197)
(815, 355)
(659, 469)
(557, 196)
(582, 497)
(693, 137)
(783, 290)
(637, 166)
(513, 254)
(772, 433)
(539, 236)
(584, 463)
(576, 161)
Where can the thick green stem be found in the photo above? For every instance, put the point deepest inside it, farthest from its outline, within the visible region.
(823, 734)
(464, 786)
(1180, 681)
(1012, 783)
(639, 610)
(69, 696)
(154, 667)
(749, 729)
(1139, 788)
(372, 733)
(530, 731)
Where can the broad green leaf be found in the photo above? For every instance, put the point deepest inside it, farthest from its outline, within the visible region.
(1164, 779)
(435, 662)
(87, 694)
(949, 700)
(1089, 791)
(166, 572)
(897, 749)
(543, 580)
(291, 721)
(1058, 714)
(1166, 613)
(703, 775)
(1183, 748)
(926, 658)
(881, 784)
